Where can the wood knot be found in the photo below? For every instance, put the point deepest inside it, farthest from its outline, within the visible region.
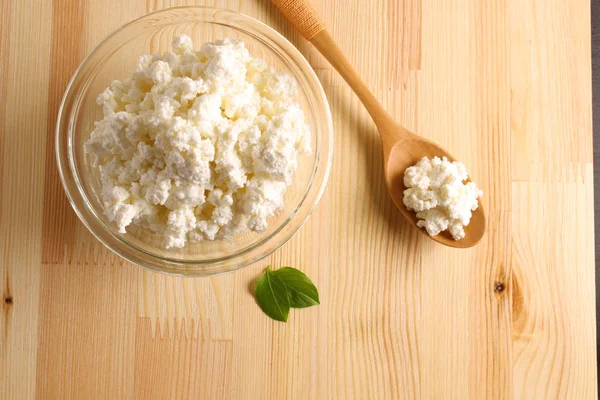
(499, 287)
(8, 300)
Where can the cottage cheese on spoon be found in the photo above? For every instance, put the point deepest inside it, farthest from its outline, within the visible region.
(436, 192)
(198, 145)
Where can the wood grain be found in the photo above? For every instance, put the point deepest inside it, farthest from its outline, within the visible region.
(504, 85)
(595, 13)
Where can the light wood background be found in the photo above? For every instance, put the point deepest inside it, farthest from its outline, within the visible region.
(504, 84)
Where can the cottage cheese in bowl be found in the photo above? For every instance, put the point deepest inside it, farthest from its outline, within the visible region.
(198, 144)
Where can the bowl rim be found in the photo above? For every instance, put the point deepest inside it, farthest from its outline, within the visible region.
(195, 268)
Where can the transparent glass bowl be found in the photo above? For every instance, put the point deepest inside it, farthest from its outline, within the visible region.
(115, 58)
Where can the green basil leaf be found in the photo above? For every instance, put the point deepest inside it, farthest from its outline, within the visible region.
(301, 291)
(272, 296)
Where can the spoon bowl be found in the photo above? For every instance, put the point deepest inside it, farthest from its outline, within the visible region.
(406, 152)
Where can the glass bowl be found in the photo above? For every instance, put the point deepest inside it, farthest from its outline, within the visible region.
(115, 58)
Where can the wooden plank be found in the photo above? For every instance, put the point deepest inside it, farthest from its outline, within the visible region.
(553, 258)
(173, 366)
(23, 127)
(595, 12)
(87, 330)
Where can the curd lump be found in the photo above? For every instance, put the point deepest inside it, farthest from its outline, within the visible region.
(436, 192)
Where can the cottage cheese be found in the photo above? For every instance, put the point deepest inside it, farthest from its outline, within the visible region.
(198, 145)
(436, 192)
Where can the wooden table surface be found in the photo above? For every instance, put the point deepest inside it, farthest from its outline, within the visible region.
(504, 84)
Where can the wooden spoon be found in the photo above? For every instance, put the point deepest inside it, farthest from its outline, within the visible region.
(401, 148)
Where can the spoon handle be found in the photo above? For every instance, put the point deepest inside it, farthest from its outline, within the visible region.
(302, 15)
(306, 20)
